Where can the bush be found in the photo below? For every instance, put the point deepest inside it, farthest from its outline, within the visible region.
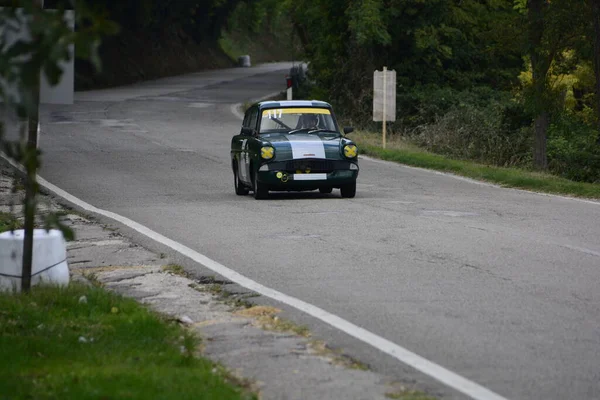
(468, 132)
(421, 105)
(572, 149)
(479, 124)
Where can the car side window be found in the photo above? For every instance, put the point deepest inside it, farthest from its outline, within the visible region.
(246, 122)
(253, 118)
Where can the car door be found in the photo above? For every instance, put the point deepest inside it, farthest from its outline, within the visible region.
(245, 146)
(236, 147)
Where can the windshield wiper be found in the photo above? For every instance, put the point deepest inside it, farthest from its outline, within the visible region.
(323, 130)
(281, 123)
(311, 130)
(298, 130)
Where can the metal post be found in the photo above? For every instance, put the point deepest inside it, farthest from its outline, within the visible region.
(30, 179)
(384, 104)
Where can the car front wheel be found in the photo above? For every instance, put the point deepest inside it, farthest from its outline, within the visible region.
(260, 190)
(348, 191)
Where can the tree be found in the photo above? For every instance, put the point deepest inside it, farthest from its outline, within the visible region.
(553, 28)
(540, 65)
(22, 63)
(595, 13)
(456, 43)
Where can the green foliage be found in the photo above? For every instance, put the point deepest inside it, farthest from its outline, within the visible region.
(8, 222)
(366, 22)
(202, 20)
(45, 41)
(423, 104)
(262, 29)
(468, 131)
(572, 149)
(445, 44)
(494, 129)
(458, 65)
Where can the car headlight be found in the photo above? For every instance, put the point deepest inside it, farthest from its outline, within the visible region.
(267, 152)
(350, 151)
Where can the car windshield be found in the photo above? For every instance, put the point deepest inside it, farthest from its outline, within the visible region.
(284, 120)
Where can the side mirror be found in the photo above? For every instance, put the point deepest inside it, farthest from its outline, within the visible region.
(348, 129)
(247, 131)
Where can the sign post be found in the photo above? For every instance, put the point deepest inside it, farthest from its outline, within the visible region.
(384, 98)
(289, 84)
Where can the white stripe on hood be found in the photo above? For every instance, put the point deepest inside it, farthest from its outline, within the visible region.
(303, 147)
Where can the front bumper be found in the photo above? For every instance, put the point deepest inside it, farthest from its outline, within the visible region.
(307, 174)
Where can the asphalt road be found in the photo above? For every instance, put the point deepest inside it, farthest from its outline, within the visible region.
(498, 285)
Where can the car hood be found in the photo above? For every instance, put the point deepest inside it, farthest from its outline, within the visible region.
(304, 145)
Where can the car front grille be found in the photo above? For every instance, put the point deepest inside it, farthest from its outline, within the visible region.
(314, 166)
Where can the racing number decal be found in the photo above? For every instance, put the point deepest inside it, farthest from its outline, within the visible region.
(243, 164)
(274, 113)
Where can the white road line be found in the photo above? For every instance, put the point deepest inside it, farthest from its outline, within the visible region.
(581, 249)
(447, 377)
(235, 108)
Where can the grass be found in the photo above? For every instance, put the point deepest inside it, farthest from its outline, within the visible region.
(232, 48)
(320, 348)
(408, 395)
(265, 316)
(9, 222)
(55, 345)
(175, 269)
(209, 284)
(402, 152)
(267, 319)
(92, 278)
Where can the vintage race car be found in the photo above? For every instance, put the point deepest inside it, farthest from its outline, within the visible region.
(293, 146)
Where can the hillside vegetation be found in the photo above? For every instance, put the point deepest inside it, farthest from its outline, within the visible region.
(501, 82)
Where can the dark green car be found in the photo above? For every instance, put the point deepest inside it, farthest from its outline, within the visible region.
(293, 146)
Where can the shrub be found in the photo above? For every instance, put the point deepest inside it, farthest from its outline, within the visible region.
(421, 105)
(469, 132)
(572, 149)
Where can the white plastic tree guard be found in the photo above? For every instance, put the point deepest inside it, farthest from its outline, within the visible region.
(49, 259)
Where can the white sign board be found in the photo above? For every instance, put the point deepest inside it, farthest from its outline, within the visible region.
(384, 95)
(62, 93)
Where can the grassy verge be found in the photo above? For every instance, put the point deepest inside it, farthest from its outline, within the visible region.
(405, 153)
(56, 345)
(8, 222)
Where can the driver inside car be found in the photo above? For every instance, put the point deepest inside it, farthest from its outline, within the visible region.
(311, 121)
(308, 121)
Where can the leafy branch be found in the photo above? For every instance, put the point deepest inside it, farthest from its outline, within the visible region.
(36, 41)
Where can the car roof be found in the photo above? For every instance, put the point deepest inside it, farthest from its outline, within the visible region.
(293, 103)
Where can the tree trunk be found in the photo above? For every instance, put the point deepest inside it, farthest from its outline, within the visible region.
(31, 166)
(540, 160)
(595, 5)
(540, 64)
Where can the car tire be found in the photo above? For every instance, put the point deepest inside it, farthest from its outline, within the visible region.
(348, 191)
(240, 188)
(326, 190)
(260, 190)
